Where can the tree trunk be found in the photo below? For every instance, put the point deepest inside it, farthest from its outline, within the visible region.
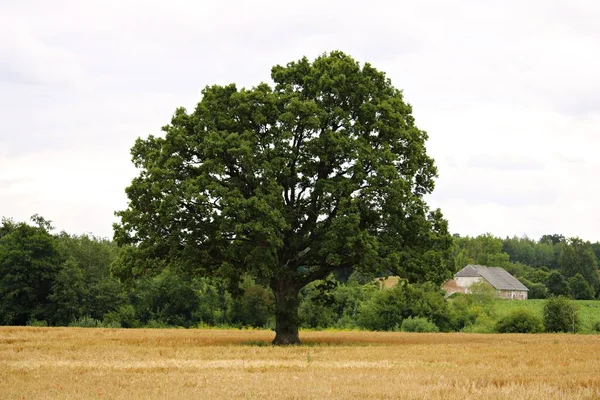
(286, 313)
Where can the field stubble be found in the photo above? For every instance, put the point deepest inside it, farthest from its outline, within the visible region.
(78, 363)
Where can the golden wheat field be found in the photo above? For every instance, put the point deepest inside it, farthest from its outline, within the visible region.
(79, 363)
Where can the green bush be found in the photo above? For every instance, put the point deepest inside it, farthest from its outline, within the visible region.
(474, 312)
(560, 315)
(596, 327)
(520, 321)
(383, 311)
(483, 323)
(35, 322)
(124, 317)
(418, 324)
(387, 308)
(86, 322)
(156, 324)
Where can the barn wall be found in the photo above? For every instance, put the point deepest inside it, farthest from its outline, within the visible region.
(465, 282)
(512, 294)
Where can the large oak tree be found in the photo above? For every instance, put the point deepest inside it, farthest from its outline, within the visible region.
(324, 170)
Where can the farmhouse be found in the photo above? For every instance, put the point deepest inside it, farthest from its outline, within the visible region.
(506, 285)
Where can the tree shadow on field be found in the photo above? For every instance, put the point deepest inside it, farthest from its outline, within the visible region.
(307, 343)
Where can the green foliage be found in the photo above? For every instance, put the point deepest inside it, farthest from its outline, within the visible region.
(536, 290)
(81, 292)
(315, 311)
(475, 311)
(255, 306)
(418, 324)
(483, 250)
(35, 322)
(29, 262)
(484, 323)
(167, 298)
(68, 293)
(324, 171)
(577, 257)
(216, 305)
(124, 317)
(560, 315)
(520, 321)
(557, 285)
(387, 308)
(383, 312)
(580, 289)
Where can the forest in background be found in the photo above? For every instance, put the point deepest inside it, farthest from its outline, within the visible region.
(58, 279)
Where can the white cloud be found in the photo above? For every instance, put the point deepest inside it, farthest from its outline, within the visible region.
(507, 91)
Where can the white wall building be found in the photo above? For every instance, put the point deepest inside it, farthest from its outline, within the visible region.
(506, 285)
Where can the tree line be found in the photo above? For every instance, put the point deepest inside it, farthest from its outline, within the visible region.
(59, 279)
(551, 266)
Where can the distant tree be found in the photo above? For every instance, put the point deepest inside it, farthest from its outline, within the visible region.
(577, 257)
(7, 226)
(68, 294)
(557, 285)
(552, 239)
(84, 282)
(29, 262)
(596, 249)
(545, 256)
(520, 250)
(325, 171)
(580, 289)
(536, 290)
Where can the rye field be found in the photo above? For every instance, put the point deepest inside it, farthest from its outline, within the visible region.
(80, 363)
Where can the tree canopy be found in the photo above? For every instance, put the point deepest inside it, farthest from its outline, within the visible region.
(288, 183)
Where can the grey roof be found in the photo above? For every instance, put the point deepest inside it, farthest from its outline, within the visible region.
(497, 277)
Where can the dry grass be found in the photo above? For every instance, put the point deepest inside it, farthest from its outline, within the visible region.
(75, 363)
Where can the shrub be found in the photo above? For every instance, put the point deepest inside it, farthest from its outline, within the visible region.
(157, 324)
(35, 322)
(124, 317)
(560, 315)
(86, 322)
(484, 323)
(418, 324)
(520, 321)
(382, 312)
(596, 327)
(387, 308)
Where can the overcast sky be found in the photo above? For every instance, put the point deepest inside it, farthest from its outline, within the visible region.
(509, 92)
